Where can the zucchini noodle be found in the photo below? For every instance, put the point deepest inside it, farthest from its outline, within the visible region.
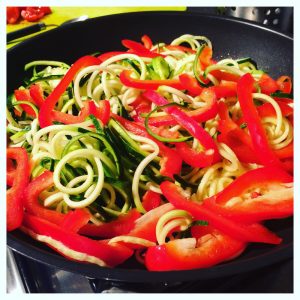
(171, 220)
(215, 178)
(140, 168)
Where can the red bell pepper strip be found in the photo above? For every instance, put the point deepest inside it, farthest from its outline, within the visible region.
(205, 57)
(170, 163)
(102, 112)
(147, 84)
(76, 219)
(24, 95)
(201, 114)
(235, 137)
(45, 115)
(180, 48)
(121, 226)
(190, 84)
(10, 172)
(200, 159)
(141, 106)
(285, 84)
(221, 75)
(70, 119)
(190, 253)
(267, 84)
(244, 232)
(267, 110)
(225, 89)
(14, 196)
(275, 200)
(259, 139)
(73, 245)
(286, 152)
(147, 41)
(36, 93)
(31, 199)
(151, 200)
(139, 49)
(145, 226)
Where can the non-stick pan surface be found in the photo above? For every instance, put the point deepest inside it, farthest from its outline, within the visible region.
(234, 38)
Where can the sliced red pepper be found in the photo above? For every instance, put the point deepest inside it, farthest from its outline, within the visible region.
(31, 199)
(225, 89)
(34, 13)
(200, 159)
(102, 112)
(275, 200)
(259, 139)
(14, 196)
(191, 253)
(190, 84)
(70, 119)
(170, 163)
(45, 115)
(138, 49)
(151, 200)
(12, 14)
(36, 93)
(221, 75)
(145, 226)
(286, 152)
(24, 95)
(10, 171)
(76, 219)
(73, 245)
(206, 57)
(267, 109)
(147, 41)
(235, 137)
(285, 84)
(180, 48)
(147, 84)
(30, 14)
(141, 106)
(244, 232)
(121, 226)
(201, 114)
(267, 84)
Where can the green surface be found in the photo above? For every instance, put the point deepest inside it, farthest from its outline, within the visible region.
(61, 14)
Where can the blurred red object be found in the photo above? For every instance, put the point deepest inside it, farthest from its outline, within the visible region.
(28, 13)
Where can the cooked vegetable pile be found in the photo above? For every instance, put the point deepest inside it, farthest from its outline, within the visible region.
(158, 151)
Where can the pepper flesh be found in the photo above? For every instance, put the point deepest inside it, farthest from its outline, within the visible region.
(147, 84)
(259, 139)
(204, 158)
(254, 232)
(14, 196)
(190, 253)
(45, 115)
(75, 246)
(274, 201)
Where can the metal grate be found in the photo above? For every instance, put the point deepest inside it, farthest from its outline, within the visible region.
(280, 18)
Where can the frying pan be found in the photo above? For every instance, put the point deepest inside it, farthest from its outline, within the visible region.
(273, 52)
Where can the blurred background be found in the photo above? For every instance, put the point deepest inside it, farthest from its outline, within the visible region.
(24, 22)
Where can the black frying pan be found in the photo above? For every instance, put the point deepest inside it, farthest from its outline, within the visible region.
(234, 38)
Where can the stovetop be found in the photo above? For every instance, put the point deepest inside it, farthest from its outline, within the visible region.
(25, 275)
(29, 276)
